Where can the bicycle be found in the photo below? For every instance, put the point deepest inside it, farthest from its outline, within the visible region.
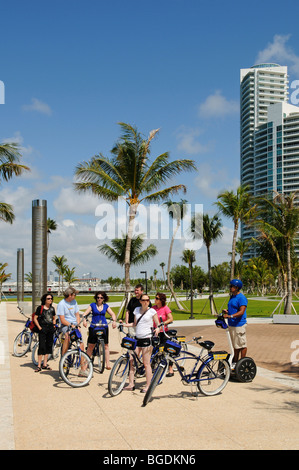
(56, 348)
(99, 349)
(120, 370)
(75, 366)
(210, 372)
(23, 341)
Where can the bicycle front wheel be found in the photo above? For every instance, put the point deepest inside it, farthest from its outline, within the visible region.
(118, 375)
(155, 364)
(76, 368)
(101, 356)
(160, 371)
(22, 343)
(213, 377)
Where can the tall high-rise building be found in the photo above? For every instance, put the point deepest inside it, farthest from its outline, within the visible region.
(269, 134)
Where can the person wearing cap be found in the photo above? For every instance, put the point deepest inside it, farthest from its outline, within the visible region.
(237, 318)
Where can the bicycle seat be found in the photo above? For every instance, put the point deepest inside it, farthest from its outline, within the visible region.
(171, 332)
(207, 344)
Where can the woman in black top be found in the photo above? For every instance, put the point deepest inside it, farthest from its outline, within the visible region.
(45, 321)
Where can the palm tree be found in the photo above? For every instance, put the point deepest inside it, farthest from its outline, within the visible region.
(69, 275)
(9, 167)
(239, 207)
(260, 273)
(177, 211)
(211, 232)
(117, 252)
(60, 263)
(3, 276)
(189, 258)
(51, 226)
(155, 279)
(241, 248)
(28, 277)
(162, 266)
(130, 174)
(278, 218)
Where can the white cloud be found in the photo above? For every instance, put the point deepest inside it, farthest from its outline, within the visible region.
(279, 51)
(38, 106)
(68, 223)
(188, 141)
(70, 201)
(212, 179)
(216, 105)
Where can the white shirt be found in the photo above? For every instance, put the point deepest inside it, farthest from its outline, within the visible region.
(145, 324)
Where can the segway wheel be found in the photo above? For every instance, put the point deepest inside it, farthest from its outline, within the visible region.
(245, 369)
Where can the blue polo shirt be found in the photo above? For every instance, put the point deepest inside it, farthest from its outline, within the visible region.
(233, 306)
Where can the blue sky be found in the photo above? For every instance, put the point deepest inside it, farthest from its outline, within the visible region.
(73, 69)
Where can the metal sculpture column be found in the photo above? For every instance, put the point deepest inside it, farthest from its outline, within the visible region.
(20, 275)
(39, 251)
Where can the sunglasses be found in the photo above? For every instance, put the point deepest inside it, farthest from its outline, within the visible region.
(144, 300)
(49, 298)
(99, 297)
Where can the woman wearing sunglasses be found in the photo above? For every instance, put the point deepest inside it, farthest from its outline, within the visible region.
(165, 316)
(44, 319)
(98, 309)
(143, 323)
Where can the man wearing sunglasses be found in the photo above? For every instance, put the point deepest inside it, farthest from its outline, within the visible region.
(133, 303)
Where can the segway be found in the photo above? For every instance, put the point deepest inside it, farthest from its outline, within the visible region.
(244, 370)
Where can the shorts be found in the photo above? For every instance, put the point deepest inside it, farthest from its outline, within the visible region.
(238, 336)
(143, 342)
(93, 338)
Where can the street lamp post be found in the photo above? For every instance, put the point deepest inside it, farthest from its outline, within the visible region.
(145, 277)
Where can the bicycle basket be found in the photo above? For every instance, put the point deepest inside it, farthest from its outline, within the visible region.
(172, 348)
(129, 343)
(221, 323)
(75, 335)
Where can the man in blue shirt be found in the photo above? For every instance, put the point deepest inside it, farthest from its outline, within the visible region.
(236, 315)
(68, 314)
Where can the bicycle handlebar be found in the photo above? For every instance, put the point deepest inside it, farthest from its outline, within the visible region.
(21, 311)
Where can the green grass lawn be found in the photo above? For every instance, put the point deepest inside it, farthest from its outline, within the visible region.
(201, 307)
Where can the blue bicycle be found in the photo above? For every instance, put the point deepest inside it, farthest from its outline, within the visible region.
(56, 348)
(75, 366)
(23, 341)
(120, 370)
(209, 370)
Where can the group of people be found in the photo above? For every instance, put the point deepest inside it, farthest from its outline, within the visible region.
(141, 317)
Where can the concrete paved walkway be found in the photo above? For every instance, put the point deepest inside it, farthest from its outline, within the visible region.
(39, 411)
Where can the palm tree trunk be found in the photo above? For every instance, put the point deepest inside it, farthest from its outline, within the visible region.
(232, 269)
(288, 303)
(179, 306)
(132, 215)
(211, 300)
(191, 286)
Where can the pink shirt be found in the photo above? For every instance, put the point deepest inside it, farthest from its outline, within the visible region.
(162, 312)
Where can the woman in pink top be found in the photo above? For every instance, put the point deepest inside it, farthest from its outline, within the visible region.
(164, 315)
